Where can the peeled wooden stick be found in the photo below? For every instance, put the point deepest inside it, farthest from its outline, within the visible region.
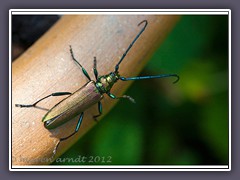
(47, 67)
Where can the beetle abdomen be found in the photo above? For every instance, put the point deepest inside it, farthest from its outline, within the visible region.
(72, 106)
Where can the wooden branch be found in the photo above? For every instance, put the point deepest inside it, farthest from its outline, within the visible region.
(47, 67)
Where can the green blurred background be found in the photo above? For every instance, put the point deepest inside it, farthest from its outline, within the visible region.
(171, 124)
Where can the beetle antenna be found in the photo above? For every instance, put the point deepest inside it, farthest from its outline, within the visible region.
(129, 47)
(151, 77)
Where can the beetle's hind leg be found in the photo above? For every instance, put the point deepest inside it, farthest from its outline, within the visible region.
(65, 138)
(99, 110)
(34, 104)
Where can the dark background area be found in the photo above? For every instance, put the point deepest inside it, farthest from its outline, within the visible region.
(171, 124)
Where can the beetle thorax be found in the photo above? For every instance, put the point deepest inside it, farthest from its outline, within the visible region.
(105, 83)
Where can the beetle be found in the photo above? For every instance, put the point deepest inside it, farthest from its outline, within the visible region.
(91, 93)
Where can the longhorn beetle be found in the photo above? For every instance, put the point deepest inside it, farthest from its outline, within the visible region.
(89, 94)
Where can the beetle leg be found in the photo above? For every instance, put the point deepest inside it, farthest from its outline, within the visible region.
(34, 104)
(95, 68)
(99, 110)
(124, 96)
(83, 70)
(65, 138)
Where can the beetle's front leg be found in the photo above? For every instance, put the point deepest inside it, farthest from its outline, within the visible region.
(95, 68)
(75, 60)
(124, 96)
